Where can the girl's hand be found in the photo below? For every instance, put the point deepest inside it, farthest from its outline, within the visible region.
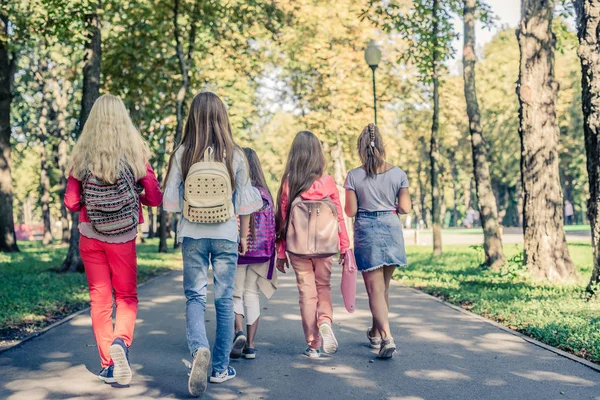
(342, 258)
(282, 264)
(243, 248)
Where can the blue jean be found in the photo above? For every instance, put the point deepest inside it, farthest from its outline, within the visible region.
(198, 254)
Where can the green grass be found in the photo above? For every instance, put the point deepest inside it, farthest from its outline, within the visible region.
(557, 314)
(33, 295)
(479, 230)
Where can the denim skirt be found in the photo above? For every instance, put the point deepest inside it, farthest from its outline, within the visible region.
(378, 240)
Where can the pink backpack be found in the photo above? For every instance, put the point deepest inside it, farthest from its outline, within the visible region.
(261, 245)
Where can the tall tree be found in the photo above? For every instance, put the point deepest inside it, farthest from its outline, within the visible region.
(44, 122)
(546, 253)
(588, 31)
(90, 92)
(8, 239)
(434, 151)
(492, 241)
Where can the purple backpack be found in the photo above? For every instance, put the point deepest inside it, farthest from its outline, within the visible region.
(261, 245)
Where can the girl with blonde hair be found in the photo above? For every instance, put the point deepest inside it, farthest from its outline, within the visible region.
(110, 178)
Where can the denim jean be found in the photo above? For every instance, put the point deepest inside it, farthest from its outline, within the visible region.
(198, 254)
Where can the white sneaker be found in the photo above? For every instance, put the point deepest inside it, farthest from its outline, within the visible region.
(388, 348)
(330, 343)
(197, 380)
(312, 353)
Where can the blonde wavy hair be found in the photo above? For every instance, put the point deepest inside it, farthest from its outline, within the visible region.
(108, 137)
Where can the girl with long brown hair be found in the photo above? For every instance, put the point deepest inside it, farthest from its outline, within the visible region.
(209, 240)
(304, 181)
(375, 193)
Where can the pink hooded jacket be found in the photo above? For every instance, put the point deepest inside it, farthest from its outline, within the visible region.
(320, 189)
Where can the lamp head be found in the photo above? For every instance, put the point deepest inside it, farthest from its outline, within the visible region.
(372, 54)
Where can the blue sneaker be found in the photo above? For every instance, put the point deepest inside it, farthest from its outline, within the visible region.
(106, 375)
(120, 356)
(239, 342)
(220, 377)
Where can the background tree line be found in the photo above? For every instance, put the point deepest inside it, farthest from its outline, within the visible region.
(286, 66)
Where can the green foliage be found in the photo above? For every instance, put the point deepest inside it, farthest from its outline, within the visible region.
(33, 295)
(558, 314)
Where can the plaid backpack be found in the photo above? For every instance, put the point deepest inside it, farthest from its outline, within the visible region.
(113, 208)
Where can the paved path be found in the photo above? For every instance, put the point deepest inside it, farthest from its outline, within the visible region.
(443, 354)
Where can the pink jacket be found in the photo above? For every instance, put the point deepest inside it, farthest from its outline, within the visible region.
(152, 196)
(320, 189)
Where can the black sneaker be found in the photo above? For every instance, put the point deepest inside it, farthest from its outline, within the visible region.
(238, 345)
(198, 380)
(120, 356)
(106, 375)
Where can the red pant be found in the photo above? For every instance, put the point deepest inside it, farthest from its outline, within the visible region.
(313, 277)
(111, 267)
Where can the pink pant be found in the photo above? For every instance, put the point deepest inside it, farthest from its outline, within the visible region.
(313, 276)
(111, 267)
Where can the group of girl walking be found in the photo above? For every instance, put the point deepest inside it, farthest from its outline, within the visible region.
(230, 222)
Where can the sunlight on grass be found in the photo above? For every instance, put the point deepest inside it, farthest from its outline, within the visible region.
(557, 314)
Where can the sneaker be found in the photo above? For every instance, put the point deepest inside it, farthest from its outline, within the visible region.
(330, 343)
(220, 377)
(375, 341)
(388, 348)
(107, 375)
(312, 353)
(197, 382)
(238, 345)
(120, 356)
(249, 353)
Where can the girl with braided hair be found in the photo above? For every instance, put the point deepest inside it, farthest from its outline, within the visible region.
(376, 193)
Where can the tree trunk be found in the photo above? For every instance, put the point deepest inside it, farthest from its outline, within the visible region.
(151, 232)
(44, 176)
(162, 243)
(8, 239)
(588, 25)
(492, 239)
(546, 252)
(60, 105)
(434, 151)
(91, 91)
(454, 191)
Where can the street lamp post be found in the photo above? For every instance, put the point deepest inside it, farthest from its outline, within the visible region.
(373, 57)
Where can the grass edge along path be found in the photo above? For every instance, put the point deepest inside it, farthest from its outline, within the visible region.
(33, 295)
(559, 315)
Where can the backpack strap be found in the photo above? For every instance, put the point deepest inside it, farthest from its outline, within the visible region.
(209, 154)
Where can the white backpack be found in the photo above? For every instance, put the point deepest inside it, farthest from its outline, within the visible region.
(208, 196)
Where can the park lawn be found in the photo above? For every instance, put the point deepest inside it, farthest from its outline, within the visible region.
(557, 314)
(33, 295)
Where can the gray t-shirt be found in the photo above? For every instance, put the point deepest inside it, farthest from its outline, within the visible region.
(379, 193)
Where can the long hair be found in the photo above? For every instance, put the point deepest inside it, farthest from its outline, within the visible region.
(109, 137)
(305, 164)
(371, 150)
(257, 177)
(207, 125)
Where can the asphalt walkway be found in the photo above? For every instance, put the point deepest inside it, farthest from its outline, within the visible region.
(443, 354)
